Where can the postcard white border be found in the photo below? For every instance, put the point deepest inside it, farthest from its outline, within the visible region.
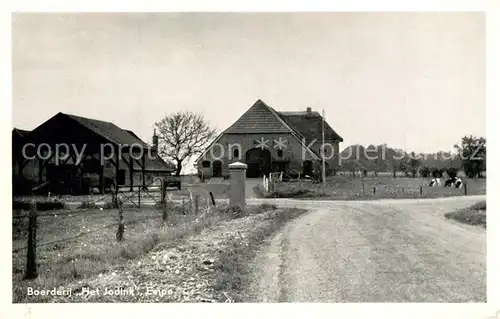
(383, 310)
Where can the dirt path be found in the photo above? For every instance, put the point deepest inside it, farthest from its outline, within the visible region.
(389, 250)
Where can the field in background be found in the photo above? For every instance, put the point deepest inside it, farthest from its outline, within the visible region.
(348, 188)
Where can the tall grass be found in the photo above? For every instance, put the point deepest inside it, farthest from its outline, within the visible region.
(98, 252)
(472, 215)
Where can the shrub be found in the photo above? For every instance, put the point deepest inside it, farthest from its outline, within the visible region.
(425, 171)
(437, 172)
(40, 205)
(87, 205)
(452, 172)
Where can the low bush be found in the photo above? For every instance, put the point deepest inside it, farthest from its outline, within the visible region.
(40, 205)
(87, 205)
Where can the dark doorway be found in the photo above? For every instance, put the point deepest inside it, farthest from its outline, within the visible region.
(64, 179)
(258, 162)
(217, 169)
(307, 168)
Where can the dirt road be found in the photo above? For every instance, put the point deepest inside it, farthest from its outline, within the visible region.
(373, 251)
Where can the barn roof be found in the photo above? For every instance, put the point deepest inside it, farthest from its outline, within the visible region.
(121, 136)
(109, 131)
(20, 132)
(261, 118)
(157, 164)
(309, 126)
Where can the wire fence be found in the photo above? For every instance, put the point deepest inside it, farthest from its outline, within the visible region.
(163, 210)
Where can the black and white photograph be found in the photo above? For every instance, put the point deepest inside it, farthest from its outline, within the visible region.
(248, 157)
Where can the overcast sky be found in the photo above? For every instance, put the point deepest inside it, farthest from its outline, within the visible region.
(411, 80)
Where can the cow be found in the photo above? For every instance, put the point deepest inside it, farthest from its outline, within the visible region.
(450, 182)
(458, 182)
(435, 182)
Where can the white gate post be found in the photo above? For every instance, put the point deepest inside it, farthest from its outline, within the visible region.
(237, 172)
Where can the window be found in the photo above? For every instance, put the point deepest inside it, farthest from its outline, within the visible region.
(205, 164)
(236, 153)
(280, 153)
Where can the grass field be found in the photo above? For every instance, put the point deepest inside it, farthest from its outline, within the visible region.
(95, 259)
(348, 188)
(91, 248)
(473, 215)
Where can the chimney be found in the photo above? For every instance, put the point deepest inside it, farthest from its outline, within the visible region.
(155, 140)
(308, 110)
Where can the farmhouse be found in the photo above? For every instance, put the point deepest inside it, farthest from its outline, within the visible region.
(99, 154)
(271, 141)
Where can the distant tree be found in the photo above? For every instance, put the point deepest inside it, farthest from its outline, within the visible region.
(425, 171)
(451, 172)
(437, 172)
(182, 135)
(414, 164)
(472, 151)
(410, 164)
(404, 167)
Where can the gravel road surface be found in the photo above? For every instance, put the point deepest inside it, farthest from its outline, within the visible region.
(373, 251)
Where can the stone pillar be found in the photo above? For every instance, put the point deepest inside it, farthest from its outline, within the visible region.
(237, 173)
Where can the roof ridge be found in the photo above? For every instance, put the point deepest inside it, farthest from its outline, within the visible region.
(89, 118)
(85, 122)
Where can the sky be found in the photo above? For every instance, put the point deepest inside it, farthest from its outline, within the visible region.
(415, 81)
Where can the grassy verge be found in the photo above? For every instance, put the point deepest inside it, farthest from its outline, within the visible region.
(204, 261)
(232, 271)
(473, 215)
(343, 188)
(92, 248)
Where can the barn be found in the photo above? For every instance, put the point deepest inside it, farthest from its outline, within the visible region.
(70, 154)
(271, 141)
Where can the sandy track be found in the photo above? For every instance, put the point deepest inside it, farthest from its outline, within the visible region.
(374, 251)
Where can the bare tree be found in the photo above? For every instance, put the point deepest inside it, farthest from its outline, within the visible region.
(182, 135)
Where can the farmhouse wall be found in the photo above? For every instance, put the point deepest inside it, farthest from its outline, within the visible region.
(292, 152)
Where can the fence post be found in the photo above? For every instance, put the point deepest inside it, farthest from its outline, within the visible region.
(139, 194)
(212, 198)
(121, 226)
(191, 204)
(374, 191)
(196, 203)
(163, 192)
(31, 272)
(421, 190)
(465, 188)
(113, 199)
(363, 185)
(183, 210)
(164, 213)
